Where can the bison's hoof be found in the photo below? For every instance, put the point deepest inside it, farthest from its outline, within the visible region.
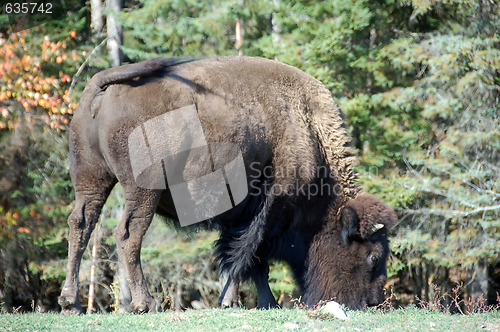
(71, 311)
(70, 305)
(144, 307)
(229, 305)
(267, 302)
(266, 306)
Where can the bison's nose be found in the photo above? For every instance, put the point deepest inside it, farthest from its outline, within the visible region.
(374, 301)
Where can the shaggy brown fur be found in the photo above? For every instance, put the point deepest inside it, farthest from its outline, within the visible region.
(280, 118)
(332, 135)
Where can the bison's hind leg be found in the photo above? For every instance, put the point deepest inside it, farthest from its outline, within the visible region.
(140, 206)
(91, 193)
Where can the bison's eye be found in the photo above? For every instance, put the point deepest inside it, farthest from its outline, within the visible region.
(373, 259)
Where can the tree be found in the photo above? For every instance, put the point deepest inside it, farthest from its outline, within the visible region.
(452, 175)
(96, 15)
(114, 30)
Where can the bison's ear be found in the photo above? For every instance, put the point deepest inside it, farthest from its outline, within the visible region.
(371, 215)
(350, 224)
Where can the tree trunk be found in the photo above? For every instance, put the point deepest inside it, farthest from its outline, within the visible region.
(494, 286)
(97, 20)
(276, 34)
(239, 33)
(7, 292)
(125, 297)
(90, 307)
(478, 287)
(238, 42)
(114, 30)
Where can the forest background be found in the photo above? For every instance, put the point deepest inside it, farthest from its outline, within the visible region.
(418, 80)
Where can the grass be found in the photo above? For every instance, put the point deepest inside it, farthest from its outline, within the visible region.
(409, 319)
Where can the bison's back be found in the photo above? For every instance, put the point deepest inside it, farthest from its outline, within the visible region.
(258, 104)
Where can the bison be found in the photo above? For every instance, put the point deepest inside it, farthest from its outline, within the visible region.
(285, 138)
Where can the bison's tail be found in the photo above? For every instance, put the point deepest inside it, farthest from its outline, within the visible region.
(236, 254)
(101, 80)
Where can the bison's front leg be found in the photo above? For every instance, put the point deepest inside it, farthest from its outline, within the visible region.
(229, 296)
(140, 205)
(260, 275)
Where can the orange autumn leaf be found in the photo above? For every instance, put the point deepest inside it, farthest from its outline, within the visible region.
(25, 80)
(23, 230)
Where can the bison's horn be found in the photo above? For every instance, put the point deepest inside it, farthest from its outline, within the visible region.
(377, 227)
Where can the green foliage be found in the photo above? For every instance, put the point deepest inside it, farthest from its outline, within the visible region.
(447, 190)
(35, 193)
(181, 28)
(281, 279)
(455, 168)
(38, 59)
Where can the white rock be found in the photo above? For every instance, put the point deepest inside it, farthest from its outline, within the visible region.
(291, 326)
(335, 309)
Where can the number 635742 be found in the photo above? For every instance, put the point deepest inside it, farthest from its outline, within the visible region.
(28, 8)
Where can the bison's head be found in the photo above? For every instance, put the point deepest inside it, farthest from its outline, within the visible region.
(346, 261)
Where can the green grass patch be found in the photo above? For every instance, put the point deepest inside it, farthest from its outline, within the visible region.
(410, 319)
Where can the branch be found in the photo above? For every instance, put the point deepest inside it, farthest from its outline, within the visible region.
(84, 64)
(454, 213)
(440, 193)
(444, 194)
